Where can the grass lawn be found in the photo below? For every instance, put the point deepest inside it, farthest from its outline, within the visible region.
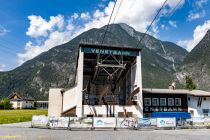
(23, 115)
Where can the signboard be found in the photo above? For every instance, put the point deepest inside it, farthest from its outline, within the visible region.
(56, 122)
(104, 122)
(149, 109)
(147, 122)
(207, 121)
(76, 122)
(126, 122)
(198, 121)
(166, 122)
(110, 51)
(184, 122)
(39, 121)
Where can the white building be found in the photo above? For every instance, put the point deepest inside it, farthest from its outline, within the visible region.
(41, 104)
(108, 83)
(196, 102)
(19, 102)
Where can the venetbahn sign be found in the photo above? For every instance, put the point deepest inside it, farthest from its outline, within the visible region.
(110, 51)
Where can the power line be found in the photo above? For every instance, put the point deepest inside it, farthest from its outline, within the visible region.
(108, 22)
(12, 43)
(117, 11)
(174, 9)
(152, 22)
(6, 49)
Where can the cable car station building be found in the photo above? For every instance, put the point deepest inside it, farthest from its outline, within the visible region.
(108, 83)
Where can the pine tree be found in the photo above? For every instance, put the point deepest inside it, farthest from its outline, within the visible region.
(189, 83)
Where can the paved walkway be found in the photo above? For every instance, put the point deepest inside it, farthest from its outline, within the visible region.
(19, 125)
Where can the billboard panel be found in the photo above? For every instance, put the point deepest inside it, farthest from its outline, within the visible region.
(104, 122)
(126, 122)
(166, 122)
(147, 122)
(76, 122)
(39, 121)
(58, 122)
(198, 121)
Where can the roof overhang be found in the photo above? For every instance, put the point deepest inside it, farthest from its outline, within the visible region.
(198, 93)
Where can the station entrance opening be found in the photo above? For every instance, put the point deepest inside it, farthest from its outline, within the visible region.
(111, 81)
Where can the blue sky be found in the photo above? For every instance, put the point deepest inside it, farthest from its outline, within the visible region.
(30, 27)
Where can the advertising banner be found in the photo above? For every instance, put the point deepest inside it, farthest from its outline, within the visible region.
(180, 122)
(206, 121)
(166, 122)
(126, 122)
(39, 121)
(104, 122)
(76, 122)
(198, 121)
(58, 122)
(147, 122)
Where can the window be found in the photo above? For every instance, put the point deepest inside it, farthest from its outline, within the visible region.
(147, 101)
(192, 113)
(177, 101)
(170, 102)
(155, 102)
(162, 101)
(205, 112)
(188, 98)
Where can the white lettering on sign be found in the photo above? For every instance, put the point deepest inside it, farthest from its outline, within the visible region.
(114, 52)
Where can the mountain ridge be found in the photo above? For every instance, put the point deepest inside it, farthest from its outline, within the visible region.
(56, 67)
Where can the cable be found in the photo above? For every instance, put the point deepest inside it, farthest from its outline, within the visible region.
(152, 22)
(117, 11)
(174, 9)
(6, 49)
(18, 46)
(108, 22)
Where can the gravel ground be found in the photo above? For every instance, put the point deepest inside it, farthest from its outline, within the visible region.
(49, 134)
(22, 124)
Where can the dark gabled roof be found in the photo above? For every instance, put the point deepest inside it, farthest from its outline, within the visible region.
(13, 94)
(20, 98)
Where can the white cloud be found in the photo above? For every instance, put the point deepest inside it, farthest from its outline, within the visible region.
(74, 16)
(198, 34)
(40, 27)
(200, 3)
(3, 31)
(53, 31)
(85, 16)
(172, 23)
(2, 67)
(193, 16)
(197, 11)
(58, 30)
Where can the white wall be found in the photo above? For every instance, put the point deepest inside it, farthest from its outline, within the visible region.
(22, 104)
(79, 84)
(14, 104)
(198, 111)
(102, 110)
(136, 79)
(55, 102)
(70, 99)
(27, 104)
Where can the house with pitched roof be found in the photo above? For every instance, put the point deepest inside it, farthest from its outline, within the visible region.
(20, 102)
